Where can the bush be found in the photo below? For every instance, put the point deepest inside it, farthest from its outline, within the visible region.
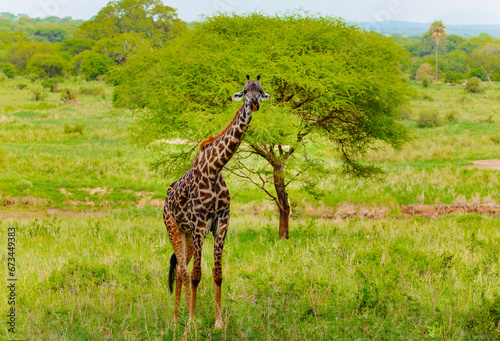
(453, 77)
(77, 128)
(9, 70)
(428, 119)
(451, 116)
(47, 65)
(495, 139)
(425, 82)
(21, 86)
(52, 83)
(38, 93)
(96, 64)
(68, 95)
(424, 71)
(474, 85)
(92, 89)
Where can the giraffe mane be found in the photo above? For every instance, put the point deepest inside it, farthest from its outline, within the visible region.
(214, 138)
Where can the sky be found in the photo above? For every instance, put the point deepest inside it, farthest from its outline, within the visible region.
(452, 12)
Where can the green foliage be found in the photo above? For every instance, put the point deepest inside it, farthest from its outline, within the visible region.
(75, 275)
(92, 89)
(451, 116)
(46, 65)
(68, 95)
(425, 82)
(487, 58)
(38, 93)
(52, 33)
(121, 46)
(9, 70)
(96, 64)
(19, 53)
(75, 46)
(474, 85)
(52, 84)
(205, 66)
(76, 129)
(425, 71)
(150, 19)
(429, 119)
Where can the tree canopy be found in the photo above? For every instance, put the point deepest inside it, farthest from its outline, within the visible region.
(328, 81)
(150, 18)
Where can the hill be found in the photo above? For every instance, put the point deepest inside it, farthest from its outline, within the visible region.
(417, 29)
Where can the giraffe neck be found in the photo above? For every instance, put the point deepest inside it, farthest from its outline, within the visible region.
(218, 153)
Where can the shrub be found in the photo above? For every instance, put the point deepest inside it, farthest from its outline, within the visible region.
(92, 89)
(9, 70)
(96, 64)
(68, 95)
(425, 82)
(47, 65)
(38, 93)
(474, 85)
(451, 116)
(428, 119)
(495, 139)
(77, 128)
(52, 83)
(21, 86)
(424, 71)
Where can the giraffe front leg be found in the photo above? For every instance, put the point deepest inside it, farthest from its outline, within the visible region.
(196, 272)
(217, 270)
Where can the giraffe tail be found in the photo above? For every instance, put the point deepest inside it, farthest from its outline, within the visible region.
(171, 273)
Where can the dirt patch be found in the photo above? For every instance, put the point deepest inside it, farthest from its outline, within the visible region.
(25, 201)
(99, 190)
(485, 164)
(434, 211)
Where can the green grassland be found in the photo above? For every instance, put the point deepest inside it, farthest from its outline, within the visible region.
(104, 276)
(47, 163)
(101, 278)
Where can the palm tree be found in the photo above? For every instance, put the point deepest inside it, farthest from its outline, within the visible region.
(437, 32)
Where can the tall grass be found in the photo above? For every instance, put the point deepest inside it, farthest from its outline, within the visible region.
(106, 278)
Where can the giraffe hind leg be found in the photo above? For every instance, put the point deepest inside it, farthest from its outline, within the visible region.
(181, 249)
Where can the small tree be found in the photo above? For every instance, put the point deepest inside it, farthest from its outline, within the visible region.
(424, 71)
(96, 64)
(474, 85)
(47, 65)
(329, 82)
(438, 33)
(488, 59)
(9, 70)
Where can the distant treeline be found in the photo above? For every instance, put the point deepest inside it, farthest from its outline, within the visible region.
(56, 47)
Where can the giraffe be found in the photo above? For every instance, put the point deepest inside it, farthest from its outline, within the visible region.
(198, 203)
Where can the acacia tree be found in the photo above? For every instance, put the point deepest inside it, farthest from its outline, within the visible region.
(487, 58)
(328, 80)
(437, 32)
(149, 18)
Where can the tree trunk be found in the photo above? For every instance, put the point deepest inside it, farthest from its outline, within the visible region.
(282, 198)
(437, 45)
(491, 83)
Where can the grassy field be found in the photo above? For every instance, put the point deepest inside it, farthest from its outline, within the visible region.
(100, 278)
(104, 276)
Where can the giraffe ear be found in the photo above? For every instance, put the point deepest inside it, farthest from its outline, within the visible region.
(238, 96)
(264, 96)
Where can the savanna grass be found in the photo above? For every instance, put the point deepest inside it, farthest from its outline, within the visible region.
(105, 278)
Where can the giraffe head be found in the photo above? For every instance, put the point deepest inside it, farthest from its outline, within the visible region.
(253, 94)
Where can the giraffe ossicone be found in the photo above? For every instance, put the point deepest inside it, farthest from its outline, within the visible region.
(198, 203)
